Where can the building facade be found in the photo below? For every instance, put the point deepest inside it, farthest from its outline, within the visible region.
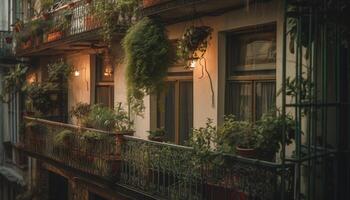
(284, 56)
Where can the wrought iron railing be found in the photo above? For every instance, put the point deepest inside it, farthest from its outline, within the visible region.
(5, 44)
(65, 143)
(169, 171)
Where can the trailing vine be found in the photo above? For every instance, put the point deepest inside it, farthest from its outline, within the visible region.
(148, 54)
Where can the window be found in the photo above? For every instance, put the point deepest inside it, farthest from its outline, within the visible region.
(251, 71)
(104, 82)
(175, 108)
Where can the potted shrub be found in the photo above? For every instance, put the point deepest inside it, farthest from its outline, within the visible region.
(270, 131)
(148, 54)
(157, 135)
(13, 82)
(63, 142)
(81, 111)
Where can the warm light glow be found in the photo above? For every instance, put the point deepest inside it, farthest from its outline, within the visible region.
(193, 63)
(76, 73)
(31, 78)
(108, 72)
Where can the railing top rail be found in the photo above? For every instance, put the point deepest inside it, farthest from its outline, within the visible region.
(231, 156)
(71, 126)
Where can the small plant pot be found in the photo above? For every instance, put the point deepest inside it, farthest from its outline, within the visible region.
(88, 1)
(27, 44)
(246, 152)
(149, 3)
(8, 40)
(54, 36)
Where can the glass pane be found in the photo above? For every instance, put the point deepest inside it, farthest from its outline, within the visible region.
(104, 71)
(105, 95)
(166, 112)
(265, 97)
(239, 100)
(186, 110)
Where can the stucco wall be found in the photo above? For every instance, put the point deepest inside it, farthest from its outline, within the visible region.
(79, 87)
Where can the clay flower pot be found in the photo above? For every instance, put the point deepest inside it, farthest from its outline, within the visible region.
(246, 152)
(148, 3)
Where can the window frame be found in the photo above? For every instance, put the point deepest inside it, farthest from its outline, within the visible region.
(103, 84)
(265, 72)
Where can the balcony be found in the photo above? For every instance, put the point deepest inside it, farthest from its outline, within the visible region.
(154, 169)
(93, 152)
(6, 45)
(81, 31)
(174, 11)
(167, 171)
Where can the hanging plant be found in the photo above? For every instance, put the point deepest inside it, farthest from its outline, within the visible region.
(192, 47)
(193, 44)
(112, 15)
(13, 82)
(148, 54)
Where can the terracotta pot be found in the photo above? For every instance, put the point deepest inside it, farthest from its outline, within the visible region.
(244, 152)
(148, 3)
(27, 44)
(88, 1)
(54, 36)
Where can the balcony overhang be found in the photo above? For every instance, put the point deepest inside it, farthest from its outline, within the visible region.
(174, 11)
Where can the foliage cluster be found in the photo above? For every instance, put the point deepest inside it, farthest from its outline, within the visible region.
(194, 42)
(157, 134)
(265, 136)
(13, 82)
(59, 71)
(114, 14)
(64, 137)
(148, 54)
(101, 117)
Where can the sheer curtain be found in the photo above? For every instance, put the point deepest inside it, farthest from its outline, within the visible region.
(265, 97)
(239, 100)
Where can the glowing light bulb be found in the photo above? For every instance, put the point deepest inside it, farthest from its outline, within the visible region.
(76, 73)
(193, 64)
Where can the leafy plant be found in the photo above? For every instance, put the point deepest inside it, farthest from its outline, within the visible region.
(59, 71)
(157, 134)
(148, 56)
(235, 133)
(63, 138)
(102, 118)
(38, 96)
(95, 141)
(194, 42)
(13, 82)
(45, 5)
(109, 14)
(123, 122)
(270, 130)
(81, 112)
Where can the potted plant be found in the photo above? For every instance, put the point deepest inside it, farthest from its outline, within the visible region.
(270, 132)
(157, 135)
(148, 54)
(63, 142)
(13, 82)
(193, 44)
(81, 111)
